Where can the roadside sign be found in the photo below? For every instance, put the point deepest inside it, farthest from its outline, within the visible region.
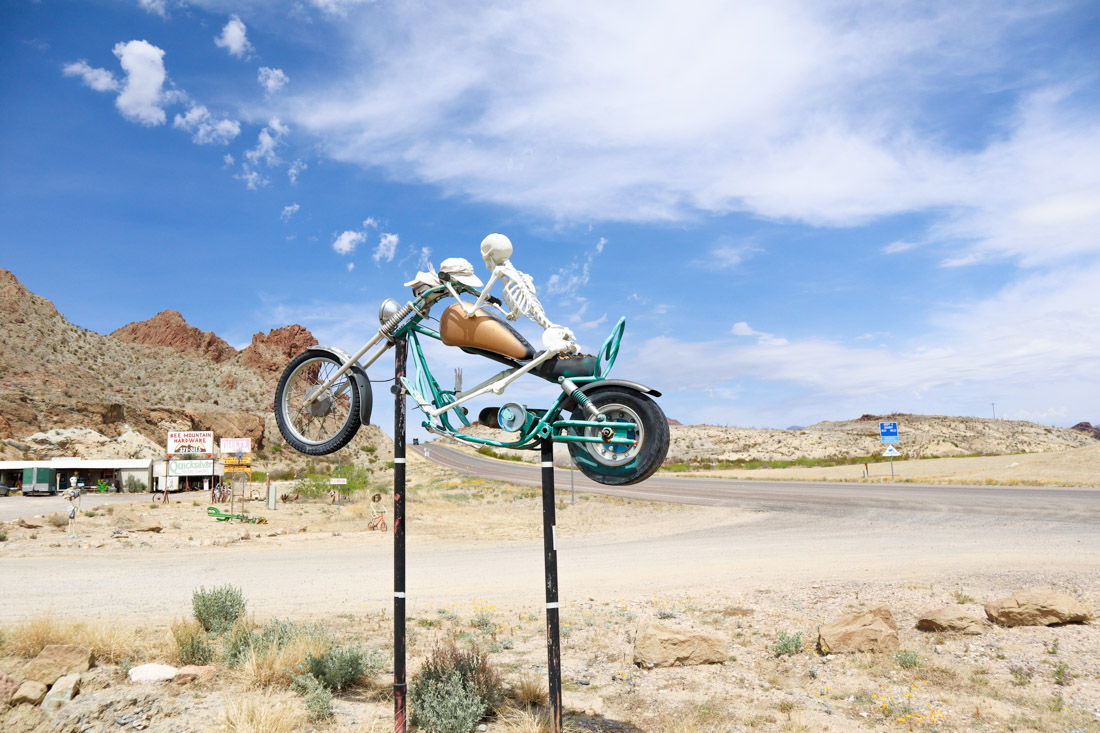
(190, 467)
(891, 451)
(337, 481)
(888, 431)
(190, 444)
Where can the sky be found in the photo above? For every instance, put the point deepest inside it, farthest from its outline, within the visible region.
(805, 210)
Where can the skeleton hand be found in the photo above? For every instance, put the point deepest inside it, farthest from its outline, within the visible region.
(560, 339)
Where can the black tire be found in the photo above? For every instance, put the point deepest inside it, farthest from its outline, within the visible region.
(331, 421)
(617, 465)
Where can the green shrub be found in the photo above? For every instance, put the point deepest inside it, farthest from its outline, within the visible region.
(453, 685)
(133, 484)
(448, 705)
(192, 644)
(317, 696)
(786, 644)
(908, 660)
(219, 608)
(337, 667)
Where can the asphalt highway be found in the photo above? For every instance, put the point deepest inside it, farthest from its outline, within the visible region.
(1042, 503)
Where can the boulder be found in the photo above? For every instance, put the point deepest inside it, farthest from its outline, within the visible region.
(195, 673)
(30, 522)
(8, 686)
(868, 631)
(152, 673)
(58, 660)
(29, 692)
(147, 525)
(954, 618)
(1036, 607)
(659, 645)
(61, 693)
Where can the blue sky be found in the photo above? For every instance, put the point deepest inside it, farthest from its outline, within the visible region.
(806, 210)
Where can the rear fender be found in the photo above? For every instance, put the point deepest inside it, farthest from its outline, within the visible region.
(358, 378)
(592, 387)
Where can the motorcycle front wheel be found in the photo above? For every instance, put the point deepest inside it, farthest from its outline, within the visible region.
(327, 423)
(620, 465)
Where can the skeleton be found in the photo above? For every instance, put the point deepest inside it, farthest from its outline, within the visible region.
(519, 295)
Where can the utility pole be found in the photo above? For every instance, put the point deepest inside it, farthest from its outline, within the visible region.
(994, 410)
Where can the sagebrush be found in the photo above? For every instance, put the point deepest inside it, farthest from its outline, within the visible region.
(219, 608)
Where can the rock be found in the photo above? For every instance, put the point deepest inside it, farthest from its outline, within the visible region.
(61, 693)
(148, 525)
(152, 673)
(658, 645)
(868, 631)
(29, 692)
(1036, 607)
(195, 673)
(30, 522)
(168, 328)
(952, 618)
(271, 353)
(57, 660)
(8, 686)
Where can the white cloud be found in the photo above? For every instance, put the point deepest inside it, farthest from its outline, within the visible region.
(568, 279)
(387, 246)
(100, 80)
(338, 7)
(425, 261)
(234, 38)
(1024, 342)
(272, 80)
(898, 246)
(351, 266)
(252, 178)
(727, 254)
(289, 211)
(228, 159)
(295, 170)
(268, 141)
(157, 7)
(555, 108)
(346, 243)
(205, 128)
(370, 223)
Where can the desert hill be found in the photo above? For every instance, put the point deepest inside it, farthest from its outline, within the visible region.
(62, 385)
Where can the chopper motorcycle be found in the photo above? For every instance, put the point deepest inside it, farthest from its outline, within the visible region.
(616, 432)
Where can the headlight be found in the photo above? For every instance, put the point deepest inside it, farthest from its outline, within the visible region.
(388, 310)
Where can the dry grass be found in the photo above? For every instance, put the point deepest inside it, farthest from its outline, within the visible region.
(531, 690)
(523, 721)
(276, 667)
(109, 642)
(265, 712)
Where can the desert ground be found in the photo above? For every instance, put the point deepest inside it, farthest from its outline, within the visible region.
(475, 576)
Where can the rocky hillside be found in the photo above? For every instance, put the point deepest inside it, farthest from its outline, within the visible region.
(921, 436)
(143, 380)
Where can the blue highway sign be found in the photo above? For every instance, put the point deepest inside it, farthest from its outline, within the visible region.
(888, 431)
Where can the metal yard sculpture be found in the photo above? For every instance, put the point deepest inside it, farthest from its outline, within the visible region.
(616, 433)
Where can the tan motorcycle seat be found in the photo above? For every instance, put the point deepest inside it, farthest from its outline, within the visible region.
(483, 331)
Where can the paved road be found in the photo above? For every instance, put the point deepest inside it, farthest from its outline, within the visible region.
(1058, 504)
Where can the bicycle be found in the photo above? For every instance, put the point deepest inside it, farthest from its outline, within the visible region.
(377, 513)
(219, 493)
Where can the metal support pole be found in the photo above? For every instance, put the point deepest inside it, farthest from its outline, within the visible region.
(891, 468)
(399, 686)
(550, 545)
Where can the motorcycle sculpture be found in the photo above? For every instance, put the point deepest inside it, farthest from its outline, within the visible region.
(616, 432)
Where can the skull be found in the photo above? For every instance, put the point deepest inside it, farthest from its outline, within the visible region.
(496, 249)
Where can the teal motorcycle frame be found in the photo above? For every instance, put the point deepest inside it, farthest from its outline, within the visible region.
(616, 432)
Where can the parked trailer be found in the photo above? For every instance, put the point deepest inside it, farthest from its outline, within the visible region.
(39, 480)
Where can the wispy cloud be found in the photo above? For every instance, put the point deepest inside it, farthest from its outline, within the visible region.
(387, 247)
(204, 128)
(289, 211)
(567, 280)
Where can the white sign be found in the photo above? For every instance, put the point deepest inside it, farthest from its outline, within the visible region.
(235, 445)
(190, 442)
(191, 467)
(337, 481)
(891, 452)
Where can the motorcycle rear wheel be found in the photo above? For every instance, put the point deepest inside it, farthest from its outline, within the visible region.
(618, 465)
(328, 423)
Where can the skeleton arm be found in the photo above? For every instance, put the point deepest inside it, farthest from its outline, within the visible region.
(468, 309)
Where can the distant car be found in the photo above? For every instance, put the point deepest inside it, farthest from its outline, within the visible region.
(4, 490)
(416, 441)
